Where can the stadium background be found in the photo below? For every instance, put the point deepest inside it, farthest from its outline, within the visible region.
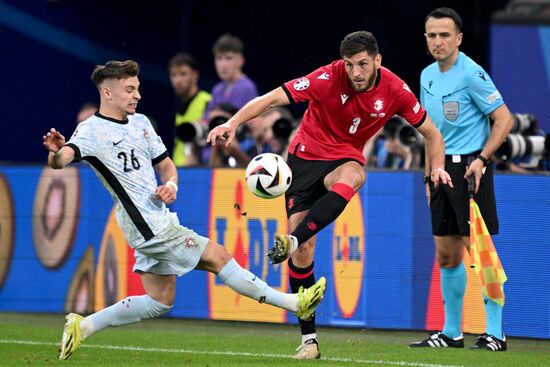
(380, 267)
(49, 48)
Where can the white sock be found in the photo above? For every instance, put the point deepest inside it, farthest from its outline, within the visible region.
(293, 244)
(124, 312)
(306, 337)
(244, 282)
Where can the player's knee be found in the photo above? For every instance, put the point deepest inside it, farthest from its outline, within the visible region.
(355, 176)
(221, 256)
(214, 258)
(359, 176)
(447, 260)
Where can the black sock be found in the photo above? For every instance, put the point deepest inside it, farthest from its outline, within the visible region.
(322, 213)
(302, 277)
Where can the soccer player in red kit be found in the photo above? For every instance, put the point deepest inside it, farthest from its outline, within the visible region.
(349, 101)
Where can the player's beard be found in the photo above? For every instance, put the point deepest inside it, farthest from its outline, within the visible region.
(370, 82)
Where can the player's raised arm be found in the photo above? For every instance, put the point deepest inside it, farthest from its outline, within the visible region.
(59, 156)
(252, 109)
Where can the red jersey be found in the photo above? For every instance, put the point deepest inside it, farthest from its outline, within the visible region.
(339, 120)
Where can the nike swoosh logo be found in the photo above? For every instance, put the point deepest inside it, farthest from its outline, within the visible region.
(118, 142)
(254, 278)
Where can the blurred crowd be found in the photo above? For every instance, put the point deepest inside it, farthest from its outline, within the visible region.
(397, 146)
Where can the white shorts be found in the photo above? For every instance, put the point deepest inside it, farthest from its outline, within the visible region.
(175, 250)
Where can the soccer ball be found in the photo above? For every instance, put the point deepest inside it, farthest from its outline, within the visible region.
(268, 176)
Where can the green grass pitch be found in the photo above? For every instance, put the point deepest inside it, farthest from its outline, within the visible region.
(32, 340)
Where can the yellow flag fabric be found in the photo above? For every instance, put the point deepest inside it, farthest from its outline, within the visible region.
(485, 258)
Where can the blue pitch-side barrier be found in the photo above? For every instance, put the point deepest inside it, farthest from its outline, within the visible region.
(378, 257)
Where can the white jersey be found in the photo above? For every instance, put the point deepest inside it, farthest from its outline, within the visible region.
(122, 153)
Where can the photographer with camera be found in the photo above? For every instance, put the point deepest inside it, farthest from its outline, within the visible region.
(524, 150)
(269, 132)
(191, 104)
(220, 155)
(403, 144)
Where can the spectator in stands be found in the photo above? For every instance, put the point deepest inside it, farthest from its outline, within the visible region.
(235, 87)
(191, 104)
(85, 111)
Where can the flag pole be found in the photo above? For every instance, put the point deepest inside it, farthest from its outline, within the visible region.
(471, 190)
(471, 179)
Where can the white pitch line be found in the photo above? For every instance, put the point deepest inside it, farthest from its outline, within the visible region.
(227, 353)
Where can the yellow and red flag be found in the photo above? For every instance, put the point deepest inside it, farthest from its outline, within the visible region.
(484, 257)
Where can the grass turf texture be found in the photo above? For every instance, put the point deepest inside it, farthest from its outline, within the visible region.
(32, 339)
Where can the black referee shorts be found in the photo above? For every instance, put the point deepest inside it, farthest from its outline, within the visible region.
(450, 207)
(308, 182)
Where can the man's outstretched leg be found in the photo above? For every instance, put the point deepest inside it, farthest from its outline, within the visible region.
(319, 210)
(322, 213)
(218, 261)
(127, 311)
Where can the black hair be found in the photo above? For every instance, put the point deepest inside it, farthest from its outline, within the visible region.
(114, 70)
(228, 43)
(357, 42)
(444, 12)
(183, 58)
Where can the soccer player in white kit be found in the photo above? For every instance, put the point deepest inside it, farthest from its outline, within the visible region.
(124, 150)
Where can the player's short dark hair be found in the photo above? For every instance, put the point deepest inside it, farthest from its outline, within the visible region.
(183, 58)
(444, 12)
(228, 43)
(114, 70)
(359, 41)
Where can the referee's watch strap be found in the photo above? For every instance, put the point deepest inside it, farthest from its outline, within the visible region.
(483, 159)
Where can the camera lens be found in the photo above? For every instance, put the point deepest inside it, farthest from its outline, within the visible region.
(191, 131)
(517, 146)
(408, 136)
(525, 123)
(216, 121)
(282, 128)
(392, 126)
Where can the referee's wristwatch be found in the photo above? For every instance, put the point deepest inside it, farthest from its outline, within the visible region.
(427, 179)
(483, 159)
